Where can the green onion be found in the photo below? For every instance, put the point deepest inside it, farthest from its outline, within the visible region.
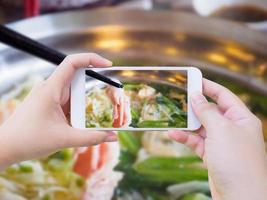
(168, 162)
(174, 176)
(46, 197)
(170, 104)
(25, 168)
(128, 86)
(171, 170)
(65, 155)
(129, 142)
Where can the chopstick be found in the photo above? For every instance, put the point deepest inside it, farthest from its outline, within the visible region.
(23, 43)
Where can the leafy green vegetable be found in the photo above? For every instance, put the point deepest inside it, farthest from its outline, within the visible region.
(178, 118)
(135, 117)
(170, 104)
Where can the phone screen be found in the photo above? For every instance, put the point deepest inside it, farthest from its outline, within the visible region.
(149, 99)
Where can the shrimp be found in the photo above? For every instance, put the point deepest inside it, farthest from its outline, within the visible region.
(89, 159)
(96, 165)
(121, 105)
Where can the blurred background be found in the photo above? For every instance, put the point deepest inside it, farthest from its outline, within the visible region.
(226, 39)
(237, 10)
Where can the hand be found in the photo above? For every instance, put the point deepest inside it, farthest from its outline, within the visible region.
(230, 143)
(39, 127)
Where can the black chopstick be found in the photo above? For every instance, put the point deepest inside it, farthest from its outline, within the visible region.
(22, 42)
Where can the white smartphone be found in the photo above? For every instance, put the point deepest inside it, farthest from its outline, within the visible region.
(153, 98)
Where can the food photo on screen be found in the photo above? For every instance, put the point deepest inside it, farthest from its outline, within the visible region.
(142, 103)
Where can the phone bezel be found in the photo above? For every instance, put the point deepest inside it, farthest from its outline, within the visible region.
(194, 84)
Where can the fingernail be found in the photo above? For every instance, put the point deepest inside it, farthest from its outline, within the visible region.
(198, 98)
(111, 137)
(108, 62)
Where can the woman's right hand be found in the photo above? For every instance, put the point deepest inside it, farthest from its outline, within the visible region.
(231, 144)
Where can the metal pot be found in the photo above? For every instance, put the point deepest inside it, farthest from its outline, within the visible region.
(225, 51)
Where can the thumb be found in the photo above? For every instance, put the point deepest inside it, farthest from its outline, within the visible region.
(80, 138)
(207, 113)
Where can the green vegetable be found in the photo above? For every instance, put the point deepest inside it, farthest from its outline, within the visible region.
(65, 155)
(23, 93)
(12, 169)
(170, 104)
(131, 179)
(256, 102)
(181, 189)
(197, 196)
(178, 118)
(80, 182)
(135, 117)
(168, 163)
(25, 168)
(153, 124)
(173, 176)
(46, 197)
(171, 170)
(175, 122)
(129, 142)
(60, 161)
(132, 86)
(155, 195)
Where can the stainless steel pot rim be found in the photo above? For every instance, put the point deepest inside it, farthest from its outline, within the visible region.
(58, 25)
(151, 20)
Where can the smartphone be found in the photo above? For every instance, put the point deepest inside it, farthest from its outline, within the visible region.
(153, 98)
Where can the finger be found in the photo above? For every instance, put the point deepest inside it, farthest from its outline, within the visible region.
(64, 73)
(121, 102)
(115, 112)
(207, 113)
(222, 96)
(127, 112)
(81, 138)
(193, 141)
